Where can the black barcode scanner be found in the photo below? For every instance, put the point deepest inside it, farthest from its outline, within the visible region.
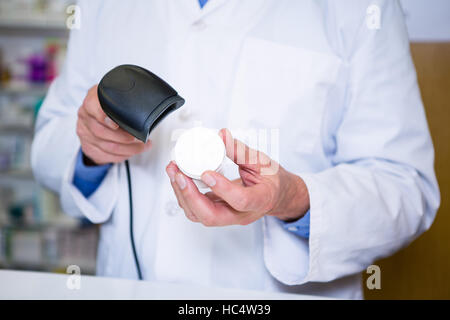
(137, 100)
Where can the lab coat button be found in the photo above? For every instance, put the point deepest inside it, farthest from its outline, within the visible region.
(185, 113)
(172, 208)
(199, 25)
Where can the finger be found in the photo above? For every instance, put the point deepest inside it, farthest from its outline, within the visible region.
(240, 218)
(94, 109)
(187, 210)
(243, 155)
(257, 197)
(219, 213)
(181, 202)
(120, 149)
(99, 156)
(195, 201)
(209, 213)
(171, 172)
(215, 198)
(101, 131)
(115, 149)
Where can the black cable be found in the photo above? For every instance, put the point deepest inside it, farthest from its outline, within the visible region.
(133, 246)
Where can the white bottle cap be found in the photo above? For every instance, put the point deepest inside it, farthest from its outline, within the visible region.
(198, 150)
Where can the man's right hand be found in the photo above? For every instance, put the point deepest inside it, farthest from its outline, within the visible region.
(102, 141)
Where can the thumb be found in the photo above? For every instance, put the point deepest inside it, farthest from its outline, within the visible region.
(242, 154)
(238, 196)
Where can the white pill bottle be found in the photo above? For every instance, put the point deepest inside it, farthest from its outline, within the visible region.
(198, 150)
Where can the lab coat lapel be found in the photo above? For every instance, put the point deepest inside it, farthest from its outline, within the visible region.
(192, 10)
(211, 6)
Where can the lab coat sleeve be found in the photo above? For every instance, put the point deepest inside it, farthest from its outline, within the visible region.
(381, 191)
(55, 145)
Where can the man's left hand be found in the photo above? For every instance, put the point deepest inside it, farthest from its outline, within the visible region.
(264, 188)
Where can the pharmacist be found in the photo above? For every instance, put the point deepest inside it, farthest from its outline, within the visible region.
(336, 92)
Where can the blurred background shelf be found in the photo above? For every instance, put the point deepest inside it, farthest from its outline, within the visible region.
(12, 29)
(49, 246)
(26, 175)
(34, 232)
(32, 23)
(16, 129)
(38, 18)
(24, 89)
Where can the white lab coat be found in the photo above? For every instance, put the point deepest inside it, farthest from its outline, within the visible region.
(348, 118)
